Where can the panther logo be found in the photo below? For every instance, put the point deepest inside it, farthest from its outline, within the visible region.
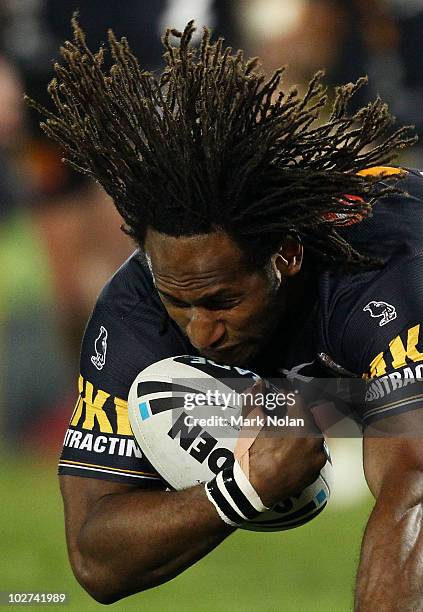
(386, 312)
(100, 347)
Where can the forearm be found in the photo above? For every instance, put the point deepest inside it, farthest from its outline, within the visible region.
(390, 576)
(137, 540)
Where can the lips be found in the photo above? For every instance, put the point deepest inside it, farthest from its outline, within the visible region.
(236, 354)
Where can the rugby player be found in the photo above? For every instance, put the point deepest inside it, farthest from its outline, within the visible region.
(264, 240)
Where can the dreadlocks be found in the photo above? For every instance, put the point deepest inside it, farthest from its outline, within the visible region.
(213, 145)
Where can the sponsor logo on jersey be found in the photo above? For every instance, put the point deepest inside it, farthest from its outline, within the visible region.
(90, 411)
(100, 440)
(100, 347)
(403, 356)
(380, 387)
(402, 351)
(92, 442)
(381, 310)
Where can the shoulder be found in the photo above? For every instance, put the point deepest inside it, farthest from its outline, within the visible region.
(362, 313)
(373, 328)
(129, 288)
(124, 335)
(396, 223)
(353, 305)
(128, 330)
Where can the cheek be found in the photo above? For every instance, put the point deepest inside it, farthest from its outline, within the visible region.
(259, 312)
(248, 316)
(179, 315)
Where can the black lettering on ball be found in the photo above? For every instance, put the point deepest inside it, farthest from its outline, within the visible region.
(220, 459)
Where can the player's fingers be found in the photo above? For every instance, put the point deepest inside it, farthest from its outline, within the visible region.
(252, 414)
(301, 413)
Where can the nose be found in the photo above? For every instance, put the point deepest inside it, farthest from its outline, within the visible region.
(204, 330)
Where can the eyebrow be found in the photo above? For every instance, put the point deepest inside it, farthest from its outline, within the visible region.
(211, 297)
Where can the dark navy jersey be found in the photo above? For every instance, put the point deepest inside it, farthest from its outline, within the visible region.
(359, 325)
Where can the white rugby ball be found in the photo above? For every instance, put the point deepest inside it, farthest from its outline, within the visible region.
(176, 419)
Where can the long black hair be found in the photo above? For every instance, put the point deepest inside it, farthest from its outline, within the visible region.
(212, 145)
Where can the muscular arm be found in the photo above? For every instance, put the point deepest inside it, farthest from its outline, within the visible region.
(123, 540)
(390, 576)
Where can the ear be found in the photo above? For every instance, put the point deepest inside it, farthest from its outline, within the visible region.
(288, 260)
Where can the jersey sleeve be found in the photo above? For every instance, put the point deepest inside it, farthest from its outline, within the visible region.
(383, 342)
(99, 442)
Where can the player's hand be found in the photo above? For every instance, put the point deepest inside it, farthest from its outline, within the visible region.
(283, 461)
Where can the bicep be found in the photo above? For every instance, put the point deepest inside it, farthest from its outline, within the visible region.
(80, 495)
(393, 454)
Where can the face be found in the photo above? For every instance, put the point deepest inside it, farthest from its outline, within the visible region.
(227, 311)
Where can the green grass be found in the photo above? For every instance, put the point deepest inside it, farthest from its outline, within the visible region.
(310, 569)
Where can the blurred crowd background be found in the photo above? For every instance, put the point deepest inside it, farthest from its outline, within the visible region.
(59, 233)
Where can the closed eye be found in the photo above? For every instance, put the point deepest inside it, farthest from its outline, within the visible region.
(209, 304)
(174, 302)
(226, 305)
